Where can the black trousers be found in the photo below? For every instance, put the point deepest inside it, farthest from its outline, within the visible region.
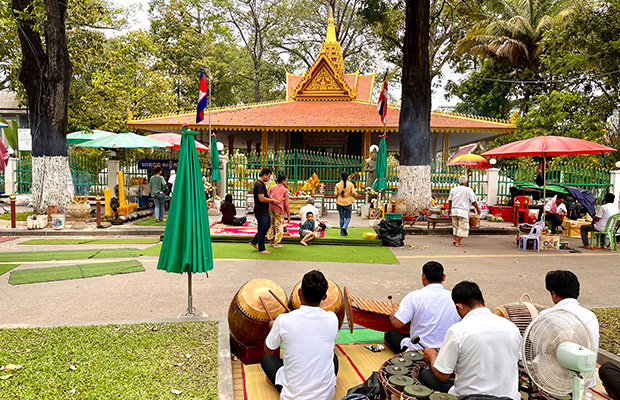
(610, 375)
(554, 219)
(393, 339)
(263, 226)
(271, 364)
(428, 379)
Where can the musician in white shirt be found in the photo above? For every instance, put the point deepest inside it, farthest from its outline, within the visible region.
(564, 289)
(482, 350)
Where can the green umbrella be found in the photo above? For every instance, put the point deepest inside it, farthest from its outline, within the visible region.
(381, 167)
(84, 136)
(124, 140)
(215, 161)
(187, 242)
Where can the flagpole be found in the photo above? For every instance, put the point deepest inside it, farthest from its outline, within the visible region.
(209, 72)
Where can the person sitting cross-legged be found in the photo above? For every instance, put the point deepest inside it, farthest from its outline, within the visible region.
(309, 367)
(599, 222)
(309, 229)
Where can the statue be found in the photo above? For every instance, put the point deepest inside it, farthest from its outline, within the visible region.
(370, 165)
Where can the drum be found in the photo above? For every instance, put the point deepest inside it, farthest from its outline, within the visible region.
(333, 302)
(521, 313)
(247, 319)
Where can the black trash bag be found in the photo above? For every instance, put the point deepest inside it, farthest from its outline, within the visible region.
(371, 390)
(392, 232)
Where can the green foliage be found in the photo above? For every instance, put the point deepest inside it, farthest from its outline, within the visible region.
(11, 132)
(138, 361)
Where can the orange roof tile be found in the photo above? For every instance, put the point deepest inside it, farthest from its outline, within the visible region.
(315, 116)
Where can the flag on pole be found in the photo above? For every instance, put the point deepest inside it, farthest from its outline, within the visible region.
(203, 94)
(382, 106)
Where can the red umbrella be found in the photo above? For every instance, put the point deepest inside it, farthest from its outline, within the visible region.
(175, 140)
(544, 146)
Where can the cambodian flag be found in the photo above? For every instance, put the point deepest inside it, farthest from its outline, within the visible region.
(203, 94)
(382, 106)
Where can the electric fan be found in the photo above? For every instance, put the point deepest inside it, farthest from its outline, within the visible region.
(557, 353)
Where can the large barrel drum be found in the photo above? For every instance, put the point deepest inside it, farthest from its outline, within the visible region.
(521, 313)
(333, 302)
(247, 319)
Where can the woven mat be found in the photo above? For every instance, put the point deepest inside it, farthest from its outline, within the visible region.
(356, 363)
(248, 229)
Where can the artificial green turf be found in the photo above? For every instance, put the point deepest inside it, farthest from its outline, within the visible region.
(21, 216)
(24, 256)
(150, 222)
(93, 241)
(297, 252)
(359, 336)
(4, 268)
(111, 362)
(65, 272)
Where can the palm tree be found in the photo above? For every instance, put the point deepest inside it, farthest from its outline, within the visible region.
(511, 31)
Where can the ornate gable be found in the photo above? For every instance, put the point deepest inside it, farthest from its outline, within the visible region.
(323, 82)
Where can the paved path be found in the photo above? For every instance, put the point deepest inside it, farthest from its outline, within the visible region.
(503, 272)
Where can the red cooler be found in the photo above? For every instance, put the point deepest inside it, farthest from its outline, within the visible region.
(501, 211)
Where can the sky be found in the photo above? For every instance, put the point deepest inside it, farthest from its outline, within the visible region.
(438, 99)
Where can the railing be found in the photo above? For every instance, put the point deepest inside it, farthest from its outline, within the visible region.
(2, 182)
(596, 180)
(445, 177)
(23, 174)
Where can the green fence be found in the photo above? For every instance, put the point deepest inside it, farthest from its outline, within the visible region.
(298, 165)
(445, 177)
(1, 181)
(86, 172)
(596, 180)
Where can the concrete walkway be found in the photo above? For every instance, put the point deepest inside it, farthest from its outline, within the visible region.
(503, 272)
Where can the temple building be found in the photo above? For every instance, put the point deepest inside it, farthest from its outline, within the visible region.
(325, 109)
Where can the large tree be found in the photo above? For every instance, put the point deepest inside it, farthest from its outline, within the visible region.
(46, 76)
(414, 126)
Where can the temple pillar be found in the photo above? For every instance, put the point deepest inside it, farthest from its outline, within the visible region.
(366, 141)
(231, 144)
(276, 141)
(258, 147)
(445, 151)
(264, 142)
(249, 146)
(434, 138)
(287, 140)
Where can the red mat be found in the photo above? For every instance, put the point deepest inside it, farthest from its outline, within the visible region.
(7, 239)
(248, 229)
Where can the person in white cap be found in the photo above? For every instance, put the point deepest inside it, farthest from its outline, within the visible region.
(460, 199)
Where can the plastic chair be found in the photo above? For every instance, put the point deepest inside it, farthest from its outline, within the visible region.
(610, 230)
(534, 235)
(521, 208)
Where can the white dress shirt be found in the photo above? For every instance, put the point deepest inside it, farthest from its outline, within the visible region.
(462, 197)
(431, 312)
(309, 336)
(588, 317)
(604, 212)
(483, 351)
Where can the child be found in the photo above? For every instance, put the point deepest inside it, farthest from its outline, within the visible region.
(308, 229)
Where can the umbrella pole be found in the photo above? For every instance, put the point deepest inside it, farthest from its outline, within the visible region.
(544, 171)
(190, 308)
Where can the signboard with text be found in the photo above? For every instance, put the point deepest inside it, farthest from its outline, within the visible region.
(24, 140)
(165, 164)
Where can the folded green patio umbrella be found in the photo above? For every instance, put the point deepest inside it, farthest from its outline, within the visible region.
(215, 161)
(187, 242)
(381, 167)
(84, 136)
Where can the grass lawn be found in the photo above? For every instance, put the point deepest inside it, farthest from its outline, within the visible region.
(142, 361)
(93, 241)
(18, 216)
(24, 256)
(150, 222)
(297, 252)
(609, 324)
(4, 268)
(65, 272)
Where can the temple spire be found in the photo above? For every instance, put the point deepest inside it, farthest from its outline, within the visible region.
(331, 29)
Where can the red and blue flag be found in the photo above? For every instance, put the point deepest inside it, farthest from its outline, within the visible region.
(203, 94)
(382, 105)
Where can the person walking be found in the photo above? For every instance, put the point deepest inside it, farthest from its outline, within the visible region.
(277, 211)
(159, 187)
(460, 199)
(345, 195)
(261, 210)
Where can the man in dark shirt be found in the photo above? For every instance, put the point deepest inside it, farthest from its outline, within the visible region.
(261, 210)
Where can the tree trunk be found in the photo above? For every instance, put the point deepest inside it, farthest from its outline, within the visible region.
(46, 75)
(415, 114)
